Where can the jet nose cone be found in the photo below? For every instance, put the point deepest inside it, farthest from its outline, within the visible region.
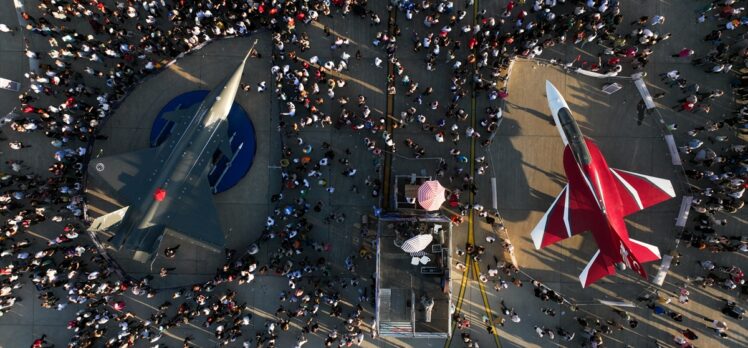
(551, 92)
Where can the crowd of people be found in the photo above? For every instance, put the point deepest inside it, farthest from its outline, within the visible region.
(85, 72)
(716, 166)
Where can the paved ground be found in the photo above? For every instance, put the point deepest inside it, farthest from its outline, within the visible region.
(526, 158)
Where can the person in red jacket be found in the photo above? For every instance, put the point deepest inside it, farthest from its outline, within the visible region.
(41, 343)
(684, 53)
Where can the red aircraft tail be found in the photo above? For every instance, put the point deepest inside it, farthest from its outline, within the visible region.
(596, 268)
(635, 253)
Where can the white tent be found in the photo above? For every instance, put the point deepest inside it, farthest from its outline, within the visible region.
(417, 243)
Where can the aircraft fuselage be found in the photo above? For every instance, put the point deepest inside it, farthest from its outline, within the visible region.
(587, 160)
(184, 158)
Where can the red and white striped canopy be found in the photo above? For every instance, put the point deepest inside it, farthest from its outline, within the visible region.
(431, 195)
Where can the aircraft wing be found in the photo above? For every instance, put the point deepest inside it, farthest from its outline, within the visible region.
(179, 118)
(193, 214)
(573, 212)
(640, 191)
(568, 216)
(121, 176)
(180, 114)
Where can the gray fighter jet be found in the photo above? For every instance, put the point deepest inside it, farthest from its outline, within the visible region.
(167, 186)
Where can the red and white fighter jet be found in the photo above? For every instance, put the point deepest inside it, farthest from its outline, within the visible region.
(596, 199)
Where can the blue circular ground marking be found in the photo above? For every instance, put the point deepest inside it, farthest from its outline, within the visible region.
(222, 177)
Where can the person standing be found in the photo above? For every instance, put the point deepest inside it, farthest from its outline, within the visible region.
(41, 342)
(17, 145)
(684, 53)
(719, 327)
(657, 19)
(687, 333)
(7, 29)
(171, 252)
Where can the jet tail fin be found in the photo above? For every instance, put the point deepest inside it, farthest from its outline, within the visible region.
(554, 226)
(109, 222)
(635, 253)
(596, 268)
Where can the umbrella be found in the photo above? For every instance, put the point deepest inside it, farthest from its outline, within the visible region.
(417, 243)
(431, 195)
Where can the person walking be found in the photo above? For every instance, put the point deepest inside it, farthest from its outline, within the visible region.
(7, 29)
(171, 252)
(684, 53)
(41, 342)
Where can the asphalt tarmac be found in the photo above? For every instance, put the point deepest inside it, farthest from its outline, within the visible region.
(526, 163)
